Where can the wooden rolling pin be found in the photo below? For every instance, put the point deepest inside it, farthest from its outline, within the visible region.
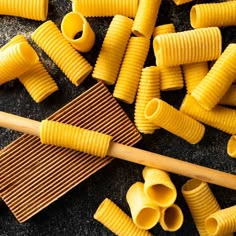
(135, 155)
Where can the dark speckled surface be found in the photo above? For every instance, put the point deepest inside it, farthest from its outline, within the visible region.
(72, 214)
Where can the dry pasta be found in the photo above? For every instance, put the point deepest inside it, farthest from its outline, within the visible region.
(149, 87)
(159, 187)
(51, 40)
(213, 14)
(167, 117)
(71, 25)
(180, 2)
(230, 97)
(64, 135)
(31, 9)
(106, 7)
(145, 19)
(218, 80)
(188, 47)
(163, 29)
(145, 213)
(201, 202)
(231, 146)
(113, 49)
(131, 69)
(111, 216)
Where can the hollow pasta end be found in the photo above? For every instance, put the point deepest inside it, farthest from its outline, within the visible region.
(211, 225)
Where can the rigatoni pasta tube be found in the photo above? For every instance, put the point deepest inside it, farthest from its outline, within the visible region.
(167, 117)
(218, 80)
(64, 135)
(111, 216)
(180, 2)
(229, 97)
(159, 187)
(213, 14)
(113, 49)
(231, 146)
(131, 68)
(145, 213)
(149, 88)
(188, 47)
(201, 202)
(51, 40)
(163, 29)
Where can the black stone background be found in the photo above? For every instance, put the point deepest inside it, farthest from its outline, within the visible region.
(73, 213)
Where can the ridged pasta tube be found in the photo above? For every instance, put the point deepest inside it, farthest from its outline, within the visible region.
(218, 80)
(51, 40)
(72, 24)
(159, 187)
(176, 122)
(15, 60)
(163, 29)
(180, 2)
(106, 7)
(172, 218)
(201, 202)
(68, 136)
(131, 69)
(231, 146)
(213, 14)
(229, 97)
(30, 9)
(145, 213)
(111, 216)
(113, 49)
(219, 117)
(188, 47)
(222, 222)
(149, 88)
(145, 19)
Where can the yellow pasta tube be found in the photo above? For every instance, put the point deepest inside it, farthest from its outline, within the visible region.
(159, 187)
(229, 97)
(113, 49)
(31, 9)
(193, 74)
(201, 202)
(51, 40)
(218, 80)
(145, 19)
(74, 23)
(219, 117)
(188, 47)
(231, 146)
(149, 87)
(167, 117)
(180, 2)
(131, 69)
(172, 218)
(222, 222)
(145, 213)
(163, 29)
(111, 216)
(106, 7)
(64, 135)
(16, 60)
(213, 14)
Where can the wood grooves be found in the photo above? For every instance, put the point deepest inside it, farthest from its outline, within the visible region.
(34, 175)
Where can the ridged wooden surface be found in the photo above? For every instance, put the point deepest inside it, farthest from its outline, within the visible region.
(34, 175)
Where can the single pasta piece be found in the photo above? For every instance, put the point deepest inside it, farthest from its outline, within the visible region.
(131, 69)
(193, 74)
(230, 96)
(16, 60)
(172, 218)
(231, 146)
(149, 88)
(113, 49)
(68, 136)
(30, 9)
(111, 216)
(106, 7)
(213, 14)
(201, 202)
(145, 19)
(74, 23)
(51, 40)
(145, 213)
(159, 187)
(188, 47)
(222, 222)
(163, 29)
(176, 122)
(218, 80)
(219, 117)
(180, 2)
